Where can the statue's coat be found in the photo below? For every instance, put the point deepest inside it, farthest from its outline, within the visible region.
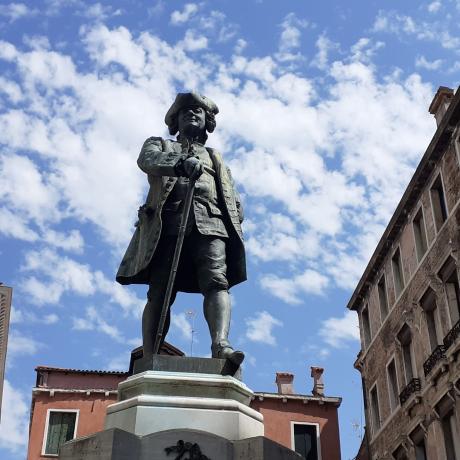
(158, 158)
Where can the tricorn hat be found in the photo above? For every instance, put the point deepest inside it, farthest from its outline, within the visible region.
(186, 100)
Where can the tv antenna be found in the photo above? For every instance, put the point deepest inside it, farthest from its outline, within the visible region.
(191, 314)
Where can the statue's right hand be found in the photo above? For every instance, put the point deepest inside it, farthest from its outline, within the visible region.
(193, 168)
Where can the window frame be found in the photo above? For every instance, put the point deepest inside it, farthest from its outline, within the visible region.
(385, 288)
(444, 282)
(401, 270)
(438, 175)
(375, 430)
(366, 341)
(421, 211)
(398, 404)
(318, 439)
(45, 435)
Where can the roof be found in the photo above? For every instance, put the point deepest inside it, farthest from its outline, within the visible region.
(79, 371)
(320, 399)
(432, 154)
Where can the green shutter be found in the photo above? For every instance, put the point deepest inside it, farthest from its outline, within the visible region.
(61, 427)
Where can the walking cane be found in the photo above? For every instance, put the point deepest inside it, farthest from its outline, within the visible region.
(175, 264)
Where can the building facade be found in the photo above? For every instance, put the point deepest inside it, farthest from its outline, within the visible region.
(408, 303)
(5, 309)
(70, 403)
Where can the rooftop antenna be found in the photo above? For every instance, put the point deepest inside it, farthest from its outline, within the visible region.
(191, 314)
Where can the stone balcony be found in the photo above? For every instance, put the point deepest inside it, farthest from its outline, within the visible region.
(413, 387)
(452, 335)
(437, 356)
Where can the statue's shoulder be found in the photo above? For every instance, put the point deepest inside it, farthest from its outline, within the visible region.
(154, 140)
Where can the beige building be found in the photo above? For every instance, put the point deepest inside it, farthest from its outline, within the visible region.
(5, 308)
(408, 302)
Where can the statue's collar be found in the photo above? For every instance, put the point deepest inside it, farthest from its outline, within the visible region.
(196, 141)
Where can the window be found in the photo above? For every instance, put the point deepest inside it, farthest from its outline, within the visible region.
(375, 416)
(451, 439)
(366, 326)
(61, 426)
(418, 438)
(428, 303)
(305, 440)
(419, 234)
(393, 385)
(438, 202)
(405, 339)
(383, 299)
(448, 275)
(400, 453)
(398, 277)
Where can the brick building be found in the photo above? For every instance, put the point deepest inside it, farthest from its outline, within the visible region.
(69, 403)
(408, 302)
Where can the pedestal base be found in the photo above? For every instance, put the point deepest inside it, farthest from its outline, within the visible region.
(116, 444)
(156, 401)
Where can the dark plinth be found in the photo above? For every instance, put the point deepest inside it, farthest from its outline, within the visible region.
(115, 444)
(187, 365)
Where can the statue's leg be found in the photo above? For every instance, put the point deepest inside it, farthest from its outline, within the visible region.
(156, 294)
(151, 316)
(210, 263)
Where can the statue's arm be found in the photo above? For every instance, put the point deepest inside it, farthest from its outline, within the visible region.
(154, 160)
(239, 205)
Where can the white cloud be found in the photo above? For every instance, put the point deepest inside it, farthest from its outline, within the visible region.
(423, 63)
(259, 328)
(291, 34)
(290, 289)
(19, 344)
(181, 17)
(326, 169)
(324, 46)
(434, 7)
(193, 42)
(431, 31)
(182, 325)
(61, 274)
(93, 320)
(15, 11)
(337, 332)
(14, 425)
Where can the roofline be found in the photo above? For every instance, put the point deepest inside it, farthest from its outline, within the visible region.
(410, 196)
(78, 371)
(300, 397)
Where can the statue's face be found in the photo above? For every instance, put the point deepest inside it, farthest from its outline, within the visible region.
(191, 120)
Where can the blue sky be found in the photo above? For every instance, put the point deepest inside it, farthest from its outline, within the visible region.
(323, 119)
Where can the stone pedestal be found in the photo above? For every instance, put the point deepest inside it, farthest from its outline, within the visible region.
(154, 401)
(115, 444)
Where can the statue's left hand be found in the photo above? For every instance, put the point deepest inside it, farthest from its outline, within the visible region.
(193, 168)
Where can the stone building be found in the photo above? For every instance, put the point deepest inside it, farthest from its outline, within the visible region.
(5, 309)
(408, 303)
(70, 403)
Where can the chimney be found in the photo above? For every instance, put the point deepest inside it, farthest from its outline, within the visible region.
(440, 103)
(285, 380)
(318, 384)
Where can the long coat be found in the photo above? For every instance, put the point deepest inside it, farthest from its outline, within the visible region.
(157, 159)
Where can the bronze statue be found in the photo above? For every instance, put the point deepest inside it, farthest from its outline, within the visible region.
(204, 253)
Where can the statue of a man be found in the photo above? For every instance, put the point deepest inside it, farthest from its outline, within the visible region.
(212, 258)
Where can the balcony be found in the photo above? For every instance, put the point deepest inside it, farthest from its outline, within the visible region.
(437, 355)
(412, 387)
(452, 335)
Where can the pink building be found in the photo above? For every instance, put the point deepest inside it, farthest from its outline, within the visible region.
(70, 403)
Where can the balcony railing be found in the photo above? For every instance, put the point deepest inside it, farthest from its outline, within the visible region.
(437, 355)
(412, 387)
(452, 335)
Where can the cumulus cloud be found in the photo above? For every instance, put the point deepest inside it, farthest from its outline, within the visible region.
(337, 332)
(180, 323)
(259, 328)
(14, 425)
(291, 34)
(54, 275)
(324, 171)
(181, 17)
(20, 344)
(424, 63)
(15, 11)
